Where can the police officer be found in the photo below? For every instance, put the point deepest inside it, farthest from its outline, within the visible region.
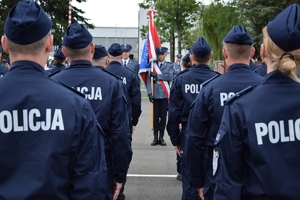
(132, 85)
(206, 112)
(59, 62)
(49, 149)
(261, 127)
(106, 97)
(163, 74)
(127, 62)
(184, 90)
(177, 65)
(3, 69)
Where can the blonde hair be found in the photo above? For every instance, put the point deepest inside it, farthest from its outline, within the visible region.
(286, 62)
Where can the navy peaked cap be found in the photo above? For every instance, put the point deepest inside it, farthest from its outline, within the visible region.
(201, 48)
(115, 49)
(27, 23)
(161, 49)
(238, 35)
(77, 37)
(179, 56)
(186, 58)
(126, 47)
(59, 54)
(100, 52)
(284, 29)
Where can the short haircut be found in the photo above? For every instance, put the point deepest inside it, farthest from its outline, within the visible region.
(74, 53)
(237, 51)
(28, 49)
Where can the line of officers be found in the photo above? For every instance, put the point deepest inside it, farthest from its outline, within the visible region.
(67, 136)
(238, 134)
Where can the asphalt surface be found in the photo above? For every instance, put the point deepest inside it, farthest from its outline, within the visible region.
(152, 173)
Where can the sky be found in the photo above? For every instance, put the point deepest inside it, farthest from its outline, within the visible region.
(112, 13)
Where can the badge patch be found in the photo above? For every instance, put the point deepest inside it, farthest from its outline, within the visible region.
(215, 161)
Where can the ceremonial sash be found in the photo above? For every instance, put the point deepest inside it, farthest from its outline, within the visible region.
(164, 84)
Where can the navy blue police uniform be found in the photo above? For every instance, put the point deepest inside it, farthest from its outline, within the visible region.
(130, 80)
(258, 142)
(107, 100)
(132, 86)
(3, 71)
(60, 56)
(184, 90)
(206, 114)
(50, 143)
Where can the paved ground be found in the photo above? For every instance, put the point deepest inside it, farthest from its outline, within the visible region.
(152, 173)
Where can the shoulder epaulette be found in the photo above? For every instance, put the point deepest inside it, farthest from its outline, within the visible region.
(72, 89)
(239, 94)
(209, 80)
(118, 77)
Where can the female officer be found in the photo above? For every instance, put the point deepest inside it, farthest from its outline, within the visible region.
(258, 143)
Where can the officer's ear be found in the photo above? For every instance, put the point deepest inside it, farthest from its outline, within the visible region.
(92, 48)
(211, 55)
(49, 43)
(225, 53)
(262, 51)
(64, 51)
(4, 45)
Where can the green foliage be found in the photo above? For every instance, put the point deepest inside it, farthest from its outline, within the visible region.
(215, 22)
(58, 12)
(258, 13)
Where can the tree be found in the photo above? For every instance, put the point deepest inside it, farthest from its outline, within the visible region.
(175, 20)
(216, 20)
(258, 13)
(58, 12)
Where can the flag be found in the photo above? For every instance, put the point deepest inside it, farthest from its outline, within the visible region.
(154, 40)
(144, 66)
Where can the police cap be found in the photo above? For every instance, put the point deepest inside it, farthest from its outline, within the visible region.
(186, 58)
(100, 52)
(115, 49)
(179, 56)
(161, 49)
(58, 54)
(27, 23)
(126, 47)
(238, 35)
(284, 29)
(77, 37)
(201, 48)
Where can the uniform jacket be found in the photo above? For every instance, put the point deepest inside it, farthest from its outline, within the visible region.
(133, 66)
(184, 90)
(56, 68)
(50, 146)
(3, 71)
(133, 88)
(106, 97)
(167, 71)
(259, 142)
(177, 68)
(205, 118)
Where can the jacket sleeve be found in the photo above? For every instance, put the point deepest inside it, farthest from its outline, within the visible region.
(167, 76)
(231, 169)
(87, 166)
(175, 108)
(135, 96)
(197, 130)
(120, 135)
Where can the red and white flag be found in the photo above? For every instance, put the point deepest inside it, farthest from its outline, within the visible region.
(153, 38)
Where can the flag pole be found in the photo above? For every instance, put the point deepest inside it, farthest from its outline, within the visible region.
(152, 80)
(70, 13)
